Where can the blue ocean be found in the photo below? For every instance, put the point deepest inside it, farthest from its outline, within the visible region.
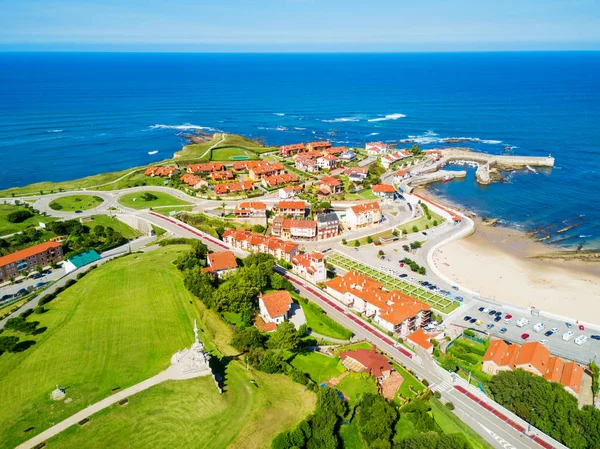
(69, 115)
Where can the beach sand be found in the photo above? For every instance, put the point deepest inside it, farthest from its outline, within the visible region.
(496, 262)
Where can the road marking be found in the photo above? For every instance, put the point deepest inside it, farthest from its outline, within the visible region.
(442, 387)
(505, 444)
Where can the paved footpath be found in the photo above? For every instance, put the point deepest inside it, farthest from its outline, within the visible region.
(89, 411)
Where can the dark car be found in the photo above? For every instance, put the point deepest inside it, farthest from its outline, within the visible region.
(36, 276)
(548, 333)
(22, 292)
(403, 275)
(503, 330)
(492, 312)
(472, 320)
(596, 337)
(481, 309)
(5, 297)
(467, 318)
(498, 313)
(78, 211)
(424, 233)
(498, 318)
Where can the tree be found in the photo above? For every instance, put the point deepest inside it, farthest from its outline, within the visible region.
(369, 239)
(99, 231)
(285, 337)
(8, 344)
(147, 196)
(415, 150)
(258, 258)
(344, 241)
(415, 228)
(404, 232)
(19, 216)
(53, 264)
(376, 420)
(395, 233)
(415, 245)
(357, 243)
(422, 271)
(406, 248)
(246, 339)
(278, 282)
(200, 284)
(236, 294)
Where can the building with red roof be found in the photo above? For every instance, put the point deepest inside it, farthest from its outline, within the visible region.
(367, 360)
(289, 228)
(193, 181)
(274, 181)
(306, 164)
(163, 172)
(293, 208)
(264, 169)
(208, 167)
(328, 185)
(251, 209)
(327, 162)
(289, 150)
(12, 265)
(383, 190)
(258, 243)
(233, 187)
(312, 146)
(222, 175)
(275, 307)
(221, 263)
(363, 215)
(376, 148)
(310, 267)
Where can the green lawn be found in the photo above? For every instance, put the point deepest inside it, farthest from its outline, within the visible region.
(6, 227)
(320, 323)
(137, 179)
(350, 436)
(75, 202)
(421, 223)
(126, 231)
(366, 194)
(192, 413)
(135, 201)
(319, 367)
(166, 211)
(450, 423)
(355, 384)
(225, 153)
(374, 238)
(410, 384)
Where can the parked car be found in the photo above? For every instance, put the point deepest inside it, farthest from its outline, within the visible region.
(424, 233)
(490, 325)
(5, 297)
(569, 325)
(507, 318)
(21, 292)
(539, 327)
(36, 276)
(459, 298)
(481, 309)
(503, 330)
(473, 320)
(467, 318)
(40, 284)
(486, 310)
(403, 275)
(78, 211)
(522, 322)
(498, 313)
(581, 340)
(498, 318)
(401, 264)
(581, 327)
(492, 312)
(544, 342)
(596, 337)
(455, 287)
(478, 322)
(568, 335)
(525, 336)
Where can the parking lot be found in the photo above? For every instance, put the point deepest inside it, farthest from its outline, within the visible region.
(566, 349)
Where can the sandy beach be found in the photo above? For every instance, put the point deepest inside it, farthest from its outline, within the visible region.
(497, 262)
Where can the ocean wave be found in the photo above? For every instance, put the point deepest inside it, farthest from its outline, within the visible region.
(490, 142)
(430, 137)
(299, 129)
(184, 127)
(279, 114)
(277, 128)
(585, 236)
(342, 119)
(387, 117)
(374, 134)
(55, 130)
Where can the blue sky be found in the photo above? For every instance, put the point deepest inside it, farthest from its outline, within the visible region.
(299, 25)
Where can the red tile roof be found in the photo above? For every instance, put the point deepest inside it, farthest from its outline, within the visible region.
(224, 260)
(383, 188)
(250, 206)
(535, 354)
(292, 204)
(330, 181)
(285, 178)
(221, 175)
(572, 376)
(27, 252)
(421, 338)
(190, 179)
(373, 362)
(277, 303)
(208, 167)
(366, 207)
(231, 187)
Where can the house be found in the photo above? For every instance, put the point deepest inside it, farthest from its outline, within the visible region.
(289, 192)
(362, 215)
(348, 156)
(163, 172)
(328, 225)
(356, 174)
(251, 209)
(28, 259)
(290, 150)
(310, 267)
(422, 339)
(436, 155)
(389, 159)
(394, 311)
(313, 146)
(385, 191)
(257, 243)
(223, 175)
(221, 263)
(376, 148)
(275, 307)
(205, 168)
(336, 151)
(572, 377)
(367, 360)
(81, 260)
(277, 180)
(241, 166)
(328, 162)
(533, 357)
(264, 169)
(289, 228)
(499, 357)
(402, 175)
(328, 185)
(306, 164)
(233, 187)
(293, 208)
(193, 181)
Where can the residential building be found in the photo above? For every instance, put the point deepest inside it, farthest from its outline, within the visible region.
(328, 225)
(289, 228)
(356, 174)
(328, 162)
(233, 187)
(499, 357)
(293, 208)
(348, 156)
(163, 172)
(251, 209)
(362, 215)
(275, 307)
(422, 339)
(367, 360)
(264, 169)
(257, 243)
(310, 267)
(328, 185)
(221, 263)
(193, 181)
(312, 146)
(386, 191)
(394, 311)
(336, 151)
(289, 192)
(376, 148)
(290, 150)
(208, 167)
(28, 259)
(389, 159)
(223, 175)
(533, 357)
(81, 260)
(572, 377)
(402, 175)
(306, 164)
(278, 180)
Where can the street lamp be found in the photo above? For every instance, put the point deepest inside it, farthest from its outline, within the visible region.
(530, 416)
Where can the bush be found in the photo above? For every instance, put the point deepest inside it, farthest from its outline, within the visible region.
(437, 394)
(147, 196)
(69, 283)
(39, 310)
(415, 228)
(450, 405)
(369, 239)
(176, 241)
(425, 382)
(19, 216)
(356, 243)
(344, 241)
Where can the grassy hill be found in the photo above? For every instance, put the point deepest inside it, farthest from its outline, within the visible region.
(223, 147)
(116, 327)
(6, 227)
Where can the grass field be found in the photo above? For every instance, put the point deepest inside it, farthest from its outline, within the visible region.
(366, 194)
(75, 202)
(319, 367)
(449, 423)
(135, 201)
(421, 223)
(440, 303)
(355, 384)
(199, 152)
(388, 234)
(6, 227)
(224, 154)
(320, 323)
(166, 211)
(118, 326)
(126, 231)
(410, 384)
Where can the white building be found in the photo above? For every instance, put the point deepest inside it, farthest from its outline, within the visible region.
(376, 148)
(389, 159)
(310, 267)
(274, 307)
(363, 215)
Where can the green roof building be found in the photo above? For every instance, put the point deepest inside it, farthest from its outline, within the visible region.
(81, 260)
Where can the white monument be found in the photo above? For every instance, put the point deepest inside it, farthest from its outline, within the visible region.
(191, 362)
(58, 394)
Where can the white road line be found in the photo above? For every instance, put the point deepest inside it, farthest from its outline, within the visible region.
(505, 444)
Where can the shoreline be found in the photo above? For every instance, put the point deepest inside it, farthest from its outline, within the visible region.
(503, 264)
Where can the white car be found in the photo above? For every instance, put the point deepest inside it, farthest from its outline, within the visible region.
(581, 340)
(544, 342)
(568, 335)
(413, 279)
(522, 322)
(539, 327)
(486, 310)
(554, 330)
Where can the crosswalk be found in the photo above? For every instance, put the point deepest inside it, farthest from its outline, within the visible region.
(442, 387)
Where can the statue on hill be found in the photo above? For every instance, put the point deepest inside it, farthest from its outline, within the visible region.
(193, 361)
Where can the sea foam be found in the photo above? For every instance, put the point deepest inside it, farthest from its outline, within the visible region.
(184, 127)
(387, 117)
(342, 119)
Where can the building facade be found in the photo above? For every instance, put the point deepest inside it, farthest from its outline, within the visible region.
(12, 265)
(363, 215)
(328, 225)
(310, 267)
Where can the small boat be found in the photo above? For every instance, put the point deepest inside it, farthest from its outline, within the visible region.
(153, 152)
(447, 178)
